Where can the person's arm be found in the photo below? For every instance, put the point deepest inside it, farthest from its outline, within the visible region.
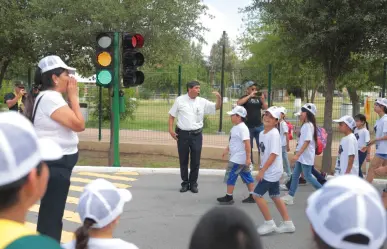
(226, 151)
(71, 118)
(248, 151)
(264, 104)
(11, 99)
(246, 98)
(351, 158)
(218, 100)
(172, 132)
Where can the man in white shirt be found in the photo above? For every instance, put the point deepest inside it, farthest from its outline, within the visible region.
(189, 109)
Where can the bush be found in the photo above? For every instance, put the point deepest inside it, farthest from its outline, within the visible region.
(130, 102)
(145, 94)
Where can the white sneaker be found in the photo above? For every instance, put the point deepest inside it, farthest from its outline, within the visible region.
(286, 227)
(283, 187)
(267, 227)
(288, 199)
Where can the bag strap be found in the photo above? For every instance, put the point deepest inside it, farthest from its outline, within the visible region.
(34, 111)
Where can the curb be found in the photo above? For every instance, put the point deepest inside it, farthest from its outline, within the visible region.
(173, 171)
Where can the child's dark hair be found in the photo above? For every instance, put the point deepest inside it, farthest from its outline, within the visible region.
(362, 118)
(358, 239)
(44, 80)
(311, 118)
(9, 194)
(82, 234)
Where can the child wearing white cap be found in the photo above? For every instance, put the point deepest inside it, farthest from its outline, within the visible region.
(240, 159)
(23, 180)
(348, 158)
(270, 172)
(100, 207)
(347, 213)
(284, 133)
(380, 159)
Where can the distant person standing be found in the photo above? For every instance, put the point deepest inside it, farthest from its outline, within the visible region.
(253, 105)
(15, 100)
(189, 109)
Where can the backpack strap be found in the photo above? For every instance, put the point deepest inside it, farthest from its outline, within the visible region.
(36, 106)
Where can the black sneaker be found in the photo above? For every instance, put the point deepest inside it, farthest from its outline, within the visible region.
(249, 199)
(301, 181)
(184, 188)
(194, 189)
(226, 200)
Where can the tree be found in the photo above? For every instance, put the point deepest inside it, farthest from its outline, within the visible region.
(327, 32)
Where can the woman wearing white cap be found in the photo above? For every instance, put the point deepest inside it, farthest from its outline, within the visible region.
(305, 152)
(100, 207)
(54, 118)
(347, 213)
(380, 160)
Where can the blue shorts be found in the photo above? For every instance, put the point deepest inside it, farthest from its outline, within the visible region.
(382, 156)
(232, 172)
(264, 186)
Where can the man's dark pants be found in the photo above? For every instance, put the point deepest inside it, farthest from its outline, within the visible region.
(53, 204)
(254, 133)
(189, 145)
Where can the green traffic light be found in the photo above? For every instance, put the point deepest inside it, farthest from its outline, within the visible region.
(104, 77)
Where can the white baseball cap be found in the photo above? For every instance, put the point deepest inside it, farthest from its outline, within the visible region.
(284, 110)
(348, 205)
(308, 107)
(20, 148)
(381, 101)
(274, 111)
(51, 62)
(102, 202)
(348, 120)
(239, 110)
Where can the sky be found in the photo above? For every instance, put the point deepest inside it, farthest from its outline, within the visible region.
(226, 18)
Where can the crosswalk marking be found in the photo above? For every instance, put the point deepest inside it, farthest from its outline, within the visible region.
(106, 176)
(68, 215)
(76, 188)
(129, 173)
(66, 236)
(84, 180)
(72, 200)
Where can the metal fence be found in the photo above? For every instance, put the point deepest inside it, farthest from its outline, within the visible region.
(145, 118)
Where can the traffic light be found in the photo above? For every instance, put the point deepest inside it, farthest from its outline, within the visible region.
(131, 59)
(105, 62)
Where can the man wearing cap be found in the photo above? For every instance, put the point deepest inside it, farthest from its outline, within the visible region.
(253, 106)
(23, 181)
(15, 100)
(189, 109)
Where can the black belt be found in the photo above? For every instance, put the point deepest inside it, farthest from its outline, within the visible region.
(193, 132)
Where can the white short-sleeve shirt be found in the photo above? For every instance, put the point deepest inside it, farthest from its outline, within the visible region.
(284, 130)
(95, 243)
(381, 131)
(270, 143)
(363, 137)
(307, 134)
(190, 112)
(348, 147)
(45, 126)
(238, 134)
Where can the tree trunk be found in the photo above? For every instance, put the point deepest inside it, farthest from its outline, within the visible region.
(355, 99)
(3, 69)
(327, 155)
(314, 91)
(111, 148)
(306, 92)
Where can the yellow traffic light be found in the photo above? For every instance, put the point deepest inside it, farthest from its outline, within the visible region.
(104, 59)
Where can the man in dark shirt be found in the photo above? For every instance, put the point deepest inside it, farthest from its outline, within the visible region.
(253, 106)
(15, 100)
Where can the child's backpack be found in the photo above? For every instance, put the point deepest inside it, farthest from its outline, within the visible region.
(321, 140)
(290, 127)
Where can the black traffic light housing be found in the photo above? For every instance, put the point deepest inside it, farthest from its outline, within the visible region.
(132, 59)
(105, 59)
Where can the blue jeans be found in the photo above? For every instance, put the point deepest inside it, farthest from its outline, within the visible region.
(307, 169)
(254, 133)
(362, 157)
(285, 161)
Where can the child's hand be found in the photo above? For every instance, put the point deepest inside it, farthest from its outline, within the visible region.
(259, 176)
(295, 159)
(368, 158)
(248, 161)
(225, 152)
(287, 148)
(364, 149)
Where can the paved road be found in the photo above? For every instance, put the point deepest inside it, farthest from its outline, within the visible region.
(161, 217)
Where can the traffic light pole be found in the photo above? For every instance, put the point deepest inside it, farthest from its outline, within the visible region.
(116, 103)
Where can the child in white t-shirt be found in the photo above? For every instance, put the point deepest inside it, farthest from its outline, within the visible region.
(270, 172)
(284, 133)
(99, 208)
(362, 135)
(239, 163)
(347, 160)
(380, 159)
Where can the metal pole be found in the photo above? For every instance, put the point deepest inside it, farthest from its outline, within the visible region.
(269, 86)
(116, 99)
(179, 81)
(100, 114)
(222, 81)
(384, 79)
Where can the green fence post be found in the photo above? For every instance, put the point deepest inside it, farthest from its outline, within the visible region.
(100, 114)
(179, 81)
(269, 86)
(116, 99)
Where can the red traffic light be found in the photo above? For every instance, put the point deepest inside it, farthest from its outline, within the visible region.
(132, 41)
